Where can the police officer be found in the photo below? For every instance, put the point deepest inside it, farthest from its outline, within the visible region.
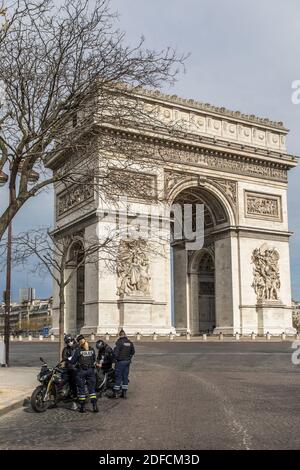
(104, 366)
(84, 358)
(105, 355)
(123, 353)
(71, 371)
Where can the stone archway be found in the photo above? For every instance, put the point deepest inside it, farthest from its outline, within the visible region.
(203, 292)
(206, 293)
(80, 294)
(203, 282)
(75, 290)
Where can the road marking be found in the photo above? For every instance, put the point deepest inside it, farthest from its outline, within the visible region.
(238, 429)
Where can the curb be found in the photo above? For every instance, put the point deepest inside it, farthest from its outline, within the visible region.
(13, 406)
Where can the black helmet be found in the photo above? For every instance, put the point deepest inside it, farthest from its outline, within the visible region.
(68, 339)
(101, 345)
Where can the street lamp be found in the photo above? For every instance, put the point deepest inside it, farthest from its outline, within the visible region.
(33, 177)
(3, 181)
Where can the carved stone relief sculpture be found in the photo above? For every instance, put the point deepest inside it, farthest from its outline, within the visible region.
(263, 206)
(73, 197)
(229, 187)
(266, 282)
(133, 268)
(174, 178)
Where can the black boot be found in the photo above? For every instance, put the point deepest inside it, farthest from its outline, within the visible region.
(95, 405)
(82, 407)
(123, 394)
(116, 394)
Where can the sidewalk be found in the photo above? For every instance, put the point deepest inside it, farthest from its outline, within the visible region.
(16, 384)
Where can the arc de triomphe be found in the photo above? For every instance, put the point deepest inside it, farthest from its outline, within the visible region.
(239, 281)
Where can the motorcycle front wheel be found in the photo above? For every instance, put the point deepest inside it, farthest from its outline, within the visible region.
(37, 399)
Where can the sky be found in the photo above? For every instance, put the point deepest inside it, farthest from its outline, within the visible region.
(244, 55)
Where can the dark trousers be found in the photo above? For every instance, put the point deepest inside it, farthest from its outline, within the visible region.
(72, 373)
(121, 375)
(88, 377)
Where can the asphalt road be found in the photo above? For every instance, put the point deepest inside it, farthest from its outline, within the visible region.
(181, 396)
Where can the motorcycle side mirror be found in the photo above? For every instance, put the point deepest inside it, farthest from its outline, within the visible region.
(42, 360)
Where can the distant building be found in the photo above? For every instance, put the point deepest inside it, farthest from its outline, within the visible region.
(26, 295)
(29, 314)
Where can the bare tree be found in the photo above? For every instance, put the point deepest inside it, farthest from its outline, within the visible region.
(43, 252)
(62, 252)
(68, 77)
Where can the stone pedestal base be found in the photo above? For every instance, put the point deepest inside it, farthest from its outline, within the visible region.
(136, 314)
(132, 330)
(183, 331)
(272, 317)
(226, 330)
(141, 315)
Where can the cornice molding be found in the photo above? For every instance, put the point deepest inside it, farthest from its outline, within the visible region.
(208, 144)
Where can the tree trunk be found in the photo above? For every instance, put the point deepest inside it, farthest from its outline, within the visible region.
(61, 320)
(8, 215)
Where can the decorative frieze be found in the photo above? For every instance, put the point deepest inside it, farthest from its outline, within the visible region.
(193, 155)
(73, 197)
(266, 281)
(225, 162)
(131, 184)
(263, 206)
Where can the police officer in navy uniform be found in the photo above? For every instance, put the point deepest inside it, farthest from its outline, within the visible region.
(105, 359)
(71, 371)
(105, 355)
(84, 358)
(123, 353)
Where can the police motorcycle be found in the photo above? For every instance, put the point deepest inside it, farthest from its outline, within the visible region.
(54, 388)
